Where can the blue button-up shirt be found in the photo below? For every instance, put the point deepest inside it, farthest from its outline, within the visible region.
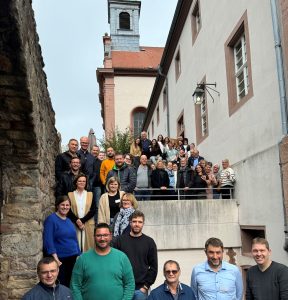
(225, 284)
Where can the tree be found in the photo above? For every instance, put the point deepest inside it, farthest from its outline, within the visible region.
(118, 140)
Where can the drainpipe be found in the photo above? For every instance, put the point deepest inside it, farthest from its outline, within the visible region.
(283, 100)
(167, 93)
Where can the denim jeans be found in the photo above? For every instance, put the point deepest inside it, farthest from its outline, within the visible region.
(138, 295)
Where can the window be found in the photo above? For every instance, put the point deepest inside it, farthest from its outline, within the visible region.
(158, 115)
(241, 69)
(177, 65)
(138, 117)
(180, 125)
(165, 98)
(238, 66)
(201, 118)
(195, 21)
(124, 20)
(152, 129)
(248, 233)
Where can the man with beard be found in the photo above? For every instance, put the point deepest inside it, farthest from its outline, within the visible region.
(142, 253)
(107, 165)
(215, 278)
(104, 272)
(125, 174)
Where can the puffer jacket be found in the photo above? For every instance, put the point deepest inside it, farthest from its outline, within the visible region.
(126, 176)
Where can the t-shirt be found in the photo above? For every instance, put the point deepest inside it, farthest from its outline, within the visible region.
(114, 202)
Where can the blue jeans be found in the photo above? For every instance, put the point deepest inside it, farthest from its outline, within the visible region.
(138, 295)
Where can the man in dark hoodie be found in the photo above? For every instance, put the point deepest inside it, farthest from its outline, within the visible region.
(48, 286)
(125, 174)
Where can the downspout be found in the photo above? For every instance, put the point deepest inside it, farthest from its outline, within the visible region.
(168, 112)
(167, 93)
(283, 100)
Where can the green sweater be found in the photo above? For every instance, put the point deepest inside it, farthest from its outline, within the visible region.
(97, 277)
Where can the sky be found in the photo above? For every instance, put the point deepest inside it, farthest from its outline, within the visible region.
(70, 34)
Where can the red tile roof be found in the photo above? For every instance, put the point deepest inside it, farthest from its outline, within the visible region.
(146, 58)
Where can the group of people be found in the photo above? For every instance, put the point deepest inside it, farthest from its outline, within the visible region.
(95, 234)
(127, 270)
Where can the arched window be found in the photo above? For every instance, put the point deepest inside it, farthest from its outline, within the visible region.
(138, 116)
(124, 20)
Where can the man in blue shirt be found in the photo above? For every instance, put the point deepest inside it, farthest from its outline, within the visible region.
(215, 278)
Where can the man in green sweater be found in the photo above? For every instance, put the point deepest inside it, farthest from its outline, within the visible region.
(104, 272)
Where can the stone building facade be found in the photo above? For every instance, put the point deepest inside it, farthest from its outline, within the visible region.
(28, 146)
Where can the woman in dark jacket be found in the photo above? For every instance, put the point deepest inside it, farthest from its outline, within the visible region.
(155, 151)
(159, 180)
(200, 183)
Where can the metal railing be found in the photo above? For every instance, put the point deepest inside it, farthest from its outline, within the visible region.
(145, 194)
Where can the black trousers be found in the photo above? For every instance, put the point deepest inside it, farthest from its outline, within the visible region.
(65, 270)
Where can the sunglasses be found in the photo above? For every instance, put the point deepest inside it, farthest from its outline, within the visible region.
(174, 272)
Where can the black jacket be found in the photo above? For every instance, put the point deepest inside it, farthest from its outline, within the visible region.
(126, 176)
(185, 178)
(191, 160)
(87, 162)
(43, 292)
(62, 163)
(159, 177)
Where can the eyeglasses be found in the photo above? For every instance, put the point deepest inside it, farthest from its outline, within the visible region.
(106, 235)
(174, 272)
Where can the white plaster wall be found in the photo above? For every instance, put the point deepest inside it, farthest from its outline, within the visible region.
(249, 138)
(130, 92)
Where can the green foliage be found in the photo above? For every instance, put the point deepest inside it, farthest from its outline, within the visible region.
(118, 140)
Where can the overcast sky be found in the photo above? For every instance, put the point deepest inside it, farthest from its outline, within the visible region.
(70, 34)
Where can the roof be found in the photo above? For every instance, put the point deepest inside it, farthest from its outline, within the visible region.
(146, 58)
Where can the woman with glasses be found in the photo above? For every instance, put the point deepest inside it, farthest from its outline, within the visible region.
(128, 204)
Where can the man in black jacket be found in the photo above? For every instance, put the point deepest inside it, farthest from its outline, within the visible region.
(125, 174)
(142, 253)
(62, 162)
(65, 185)
(185, 179)
(48, 287)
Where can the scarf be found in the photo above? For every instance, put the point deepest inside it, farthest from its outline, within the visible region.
(122, 220)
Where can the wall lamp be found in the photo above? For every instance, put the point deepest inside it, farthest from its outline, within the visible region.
(199, 93)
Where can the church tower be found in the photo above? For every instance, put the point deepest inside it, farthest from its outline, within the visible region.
(123, 17)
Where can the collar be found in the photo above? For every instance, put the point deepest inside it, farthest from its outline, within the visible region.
(208, 268)
(50, 288)
(179, 288)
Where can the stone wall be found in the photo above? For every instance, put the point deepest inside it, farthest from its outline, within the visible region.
(28, 145)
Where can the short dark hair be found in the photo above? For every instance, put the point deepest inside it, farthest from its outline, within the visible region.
(77, 177)
(170, 261)
(102, 225)
(136, 214)
(61, 199)
(118, 154)
(262, 241)
(45, 261)
(215, 242)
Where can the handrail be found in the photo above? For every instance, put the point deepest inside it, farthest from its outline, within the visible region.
(144, 194)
